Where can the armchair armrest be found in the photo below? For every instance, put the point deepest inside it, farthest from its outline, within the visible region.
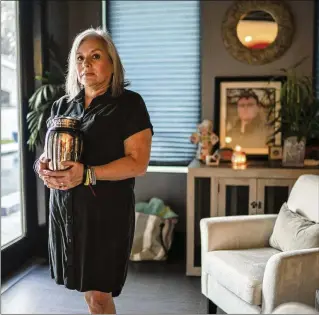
(291, 276)
(236, 232)
(294, 308)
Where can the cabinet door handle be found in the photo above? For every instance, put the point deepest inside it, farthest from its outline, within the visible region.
(260, 205)
(254, 204)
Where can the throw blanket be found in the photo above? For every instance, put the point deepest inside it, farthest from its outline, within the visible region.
(154, 227)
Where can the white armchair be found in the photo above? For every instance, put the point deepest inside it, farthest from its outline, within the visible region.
(242, 274)
(294, 308)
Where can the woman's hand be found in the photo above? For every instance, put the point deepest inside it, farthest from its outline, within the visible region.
(43, 164)
(64, 180)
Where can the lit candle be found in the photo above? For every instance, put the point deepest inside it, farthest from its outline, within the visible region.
(238, 158)
(228, 140)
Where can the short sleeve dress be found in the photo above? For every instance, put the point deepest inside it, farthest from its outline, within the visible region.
(90, 237)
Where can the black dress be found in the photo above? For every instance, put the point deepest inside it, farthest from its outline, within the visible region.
(90, 237)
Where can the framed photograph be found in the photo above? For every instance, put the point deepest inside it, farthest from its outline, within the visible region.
(275, 153)
(243, 112)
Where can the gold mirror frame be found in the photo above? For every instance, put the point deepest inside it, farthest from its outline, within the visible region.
(281, 14)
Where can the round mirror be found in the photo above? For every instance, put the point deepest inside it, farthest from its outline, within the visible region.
(257, 32)
(257, 29)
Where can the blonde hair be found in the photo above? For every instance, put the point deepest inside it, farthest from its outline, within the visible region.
(72, 85)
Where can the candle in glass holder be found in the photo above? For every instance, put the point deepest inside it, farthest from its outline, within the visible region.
(238, 157)
(228, 140)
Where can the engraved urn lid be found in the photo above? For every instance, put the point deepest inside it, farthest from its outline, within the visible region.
(66, 122)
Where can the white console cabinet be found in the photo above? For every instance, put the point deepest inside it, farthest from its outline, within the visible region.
(224, 191)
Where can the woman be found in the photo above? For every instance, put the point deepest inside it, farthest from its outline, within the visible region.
(91, 231)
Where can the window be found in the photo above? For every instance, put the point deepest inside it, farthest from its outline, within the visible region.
(11, 170)
(159, 45)
(5, 98)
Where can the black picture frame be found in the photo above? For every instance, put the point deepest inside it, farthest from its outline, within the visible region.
(242, 82)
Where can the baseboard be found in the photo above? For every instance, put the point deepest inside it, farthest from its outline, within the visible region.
(13, 278)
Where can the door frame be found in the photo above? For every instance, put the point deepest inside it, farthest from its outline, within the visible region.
(16, 254)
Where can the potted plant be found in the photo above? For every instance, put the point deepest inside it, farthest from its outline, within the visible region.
(298, 117)
(41, 101)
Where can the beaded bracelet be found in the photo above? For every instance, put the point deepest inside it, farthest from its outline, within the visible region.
(89, 177)
(93, 176)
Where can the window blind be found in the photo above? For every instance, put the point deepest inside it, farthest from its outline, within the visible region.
(159, 45)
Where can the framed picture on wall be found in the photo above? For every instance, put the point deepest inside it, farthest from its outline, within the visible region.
(243, 112)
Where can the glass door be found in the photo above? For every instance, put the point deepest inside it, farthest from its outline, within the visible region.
(272, 193)
(237, 196)
(12, 210)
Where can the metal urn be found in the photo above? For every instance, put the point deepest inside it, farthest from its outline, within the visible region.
(63, 142)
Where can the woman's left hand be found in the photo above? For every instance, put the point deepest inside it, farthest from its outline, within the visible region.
(64, 180)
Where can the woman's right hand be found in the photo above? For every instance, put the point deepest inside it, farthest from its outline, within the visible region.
(43, 165)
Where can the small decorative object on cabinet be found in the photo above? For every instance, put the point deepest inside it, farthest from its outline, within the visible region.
(225, 154)
(294, 152)
(205, 138)
(275, 156)
(212, 160)
(275, 153)
(238, 158)
(224, 191)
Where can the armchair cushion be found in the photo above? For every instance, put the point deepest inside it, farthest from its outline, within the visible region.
(240, 271)
(293, 231)
(235, 232)
(303, 197)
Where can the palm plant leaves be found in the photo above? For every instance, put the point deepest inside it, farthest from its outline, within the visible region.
(41, 101)
(298, 114)
(40, 108)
